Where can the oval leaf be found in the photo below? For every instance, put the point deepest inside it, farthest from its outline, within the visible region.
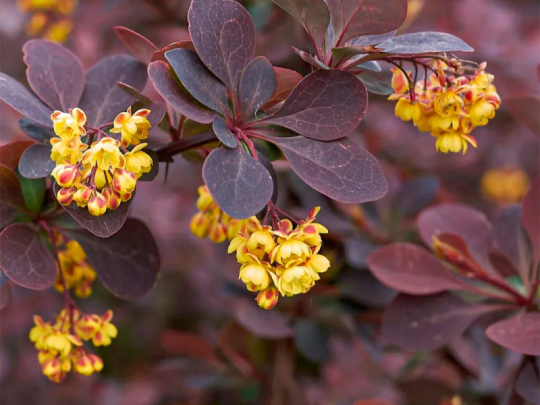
(262, 323)
(286, 81)
(520, 333)
(157, 113)
(224, 36)
(528, 384)
(257, 85)
(10, 153)
(415, 195)
(11, 197)
(102, 99)
(172, 93)
(36, 162)
(140, 47)
(325, 105)
(410, 269)
(223, 132)
(240, 184)
(25, 259)
(35, 131)
(34, 193)
(19, 98)
(374, 84)
(424, 42)
(54, 73)
(530, 216)
(341, 169)
(127, 263)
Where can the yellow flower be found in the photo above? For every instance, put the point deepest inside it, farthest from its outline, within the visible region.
(481, 112)
(69, 125)
(290, 250)
(200, 224)
(133, 127)
(318, 263)
(106, 331)
(97, 205)
(82, 196)
(448, 104)
(310, 231)
(112, 197)
(137, 161)
(124, 181)
(505, 186)
(105, 154)
(268, 298)
(39, 332)
(217, 232)
(261, 242)
(65, 195)
(36, 24)
(59, 31)
(448, 123)
(205, 202)
(67, 150)
(67, 175)
(400, 83)
(87, 364)
(407, 110)
(295, 280)
(453, 142)
(255, 275)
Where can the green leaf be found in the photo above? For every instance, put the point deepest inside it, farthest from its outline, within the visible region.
(33, 192)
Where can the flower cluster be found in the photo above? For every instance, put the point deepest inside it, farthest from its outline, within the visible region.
(103, 175)
(60, 345)
(49, 18)
(211, 222)
(283, 259)
(449, 107)
(78, 275)
(505, 186)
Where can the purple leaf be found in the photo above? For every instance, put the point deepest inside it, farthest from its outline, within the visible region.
(127, 263)
(312, 14)
(25, 259)
(312, 339)
(35, 131)
(525, 111)
(257, 85)
(224, 36)
(325, 105)
(424, 42)
(520, 333)
(198, 80)
(261, 323)
(36, 162)
(223, 132)
(472, 226)
(19, 98)
(366, 40)
(528, 384)
(240, 184)
(171, 91)
(104, 226)
(355, 18)
(412, 270)
(530, 216)
(157, 112)
(102, 99)
(160, 54)
(11, 197)
(415, 195)
(426, 323)
(140, 47)
(54, 73)
(341, 169)
(308, 58)
(375, 83)
(286, 80)
(5, 295)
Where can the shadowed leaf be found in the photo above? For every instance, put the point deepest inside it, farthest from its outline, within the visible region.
(525, 110)
(341, 169)
(223, 132)
(5, 294)
(54, 73)
(528, 384)
(135, 93)
(127, 263)
(34, 193)
(25, 259)
(257, 85)
(35, 131)
(286, 80)
(425, 323)
(36, 162)
(11, 197)
(312, 339)
(21, 99)
(374, 84)
(172, 92)
(530, 216)
(308, 58)
(10, 153)
(424, 42)
(263, 324)
(140, 47)
(198, 80)
(160, 54)
(415, 195)
(325, 105)
(102, 99)
(240, 184)
(224, 36)
(520, 333)
(157, 112)
(410, 269)
(154, 171)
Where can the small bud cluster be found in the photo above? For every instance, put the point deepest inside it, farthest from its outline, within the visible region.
(505, 186)
(106, 174)
(60, 344)
(77, 273)
(283, 259)
(49, 18)
(211, 221)
(449, 107)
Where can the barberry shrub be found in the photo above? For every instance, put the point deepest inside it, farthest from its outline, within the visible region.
(65, 195)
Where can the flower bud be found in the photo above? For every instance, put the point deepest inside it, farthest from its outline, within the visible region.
(218, 232)
(65, 195)
(126, 196)
(83, 365)
(124, 181)
(67, 175)
(268, 298)
(112, 197)
(200, 224)
(82, 196)
(97, 205)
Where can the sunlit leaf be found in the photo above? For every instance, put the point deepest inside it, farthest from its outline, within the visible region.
(424, 42)
(520, 333)
(140, 47)
(257, 85)
(35, 162)
(223, 132)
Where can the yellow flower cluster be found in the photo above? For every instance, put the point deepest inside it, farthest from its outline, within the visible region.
(78, 274)
(103, 176)
(60, 345)
(447, 106)
(505, 186)
(49, 18)
(284, 260)
(211, 222)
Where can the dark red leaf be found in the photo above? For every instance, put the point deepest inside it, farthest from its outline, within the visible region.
(224, 36)
(25, 259)
(223, 132)
(35, 131)
(188, 344)
(325, 105)
(36, 162)
(376, 83)
(21, 99)
(261, 323)
(135, 93)
(424, 42)
(198, 80)
(410, 269)
(308, 58)
(102, 99)
(286, 81)
(312, 14)
(354, 18)
(530, 216)
(157, 112)
(10, 153)
(172, 93)
(528, 384)
(240, 184)
(520, 333)
(140, 47)
(127, 263)
(54, 73)
(525, 110)
(257, 85)
(425, 323)
(5, 296)
(160, 54)
(341, 169)
(11, 197)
